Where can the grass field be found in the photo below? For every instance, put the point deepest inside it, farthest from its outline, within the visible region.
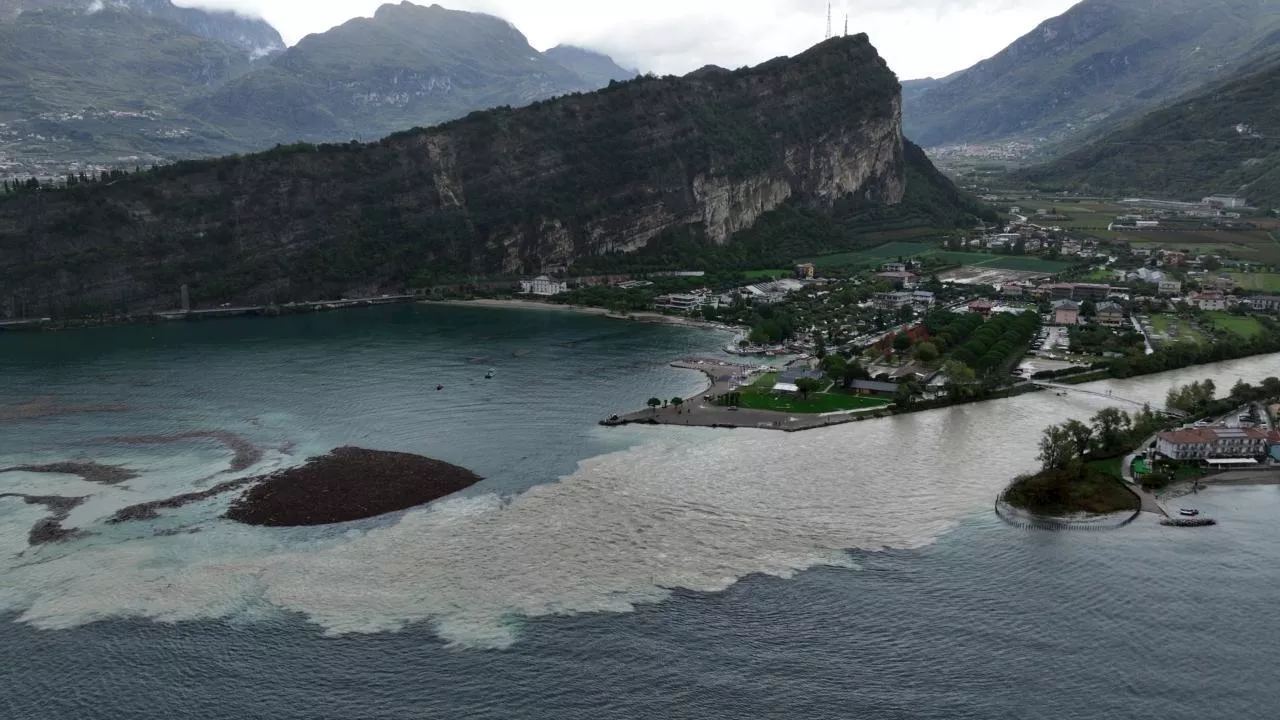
(1175, 329)
(1250, 245)
(1258, 282)
(758, 396)
(893, 251)
(756, 274)
(1240, 325)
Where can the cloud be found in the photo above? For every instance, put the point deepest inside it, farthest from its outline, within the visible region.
(918, 37)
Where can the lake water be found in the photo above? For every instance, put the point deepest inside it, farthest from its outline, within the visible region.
(851, 572)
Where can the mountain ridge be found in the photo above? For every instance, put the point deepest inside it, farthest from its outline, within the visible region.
(1100, 62)
(500, 192)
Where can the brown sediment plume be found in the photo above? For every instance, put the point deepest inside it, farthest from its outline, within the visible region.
(49, 529)
(48, 407)
(90, 471)
(348, 484)
(246, 453)
(150, 510)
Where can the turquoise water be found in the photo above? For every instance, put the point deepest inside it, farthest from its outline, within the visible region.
(855, 571)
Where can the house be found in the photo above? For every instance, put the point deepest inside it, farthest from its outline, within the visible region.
(1081, 291)
(876, 389)
(683, 303)
(806, 271)
(1265, 303)
(982, 307)
(1216, 442)
(900, 280)
(1111, 314)
(1174, 257)
(1228, 202)
(788, 382)
(1208, 300)
(923, 297)
(544, 286)
(894, 267)
(1170, 287)
(1066, 312)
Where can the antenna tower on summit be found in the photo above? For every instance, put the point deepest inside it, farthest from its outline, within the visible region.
(828, 21)
(846, 26)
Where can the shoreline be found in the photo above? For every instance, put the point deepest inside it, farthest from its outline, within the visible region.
(647, 317)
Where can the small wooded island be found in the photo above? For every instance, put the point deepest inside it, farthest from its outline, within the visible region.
(348, 484)
(1080, 472)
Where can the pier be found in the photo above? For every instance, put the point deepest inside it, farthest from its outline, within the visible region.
(1108, 395)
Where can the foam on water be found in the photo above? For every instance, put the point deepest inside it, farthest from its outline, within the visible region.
(690, 509)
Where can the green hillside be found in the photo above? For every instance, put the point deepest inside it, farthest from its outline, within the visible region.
(1223, 140)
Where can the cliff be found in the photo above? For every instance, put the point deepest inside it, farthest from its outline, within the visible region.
(498, 193)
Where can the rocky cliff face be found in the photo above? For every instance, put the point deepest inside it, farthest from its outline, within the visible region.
(502, 192)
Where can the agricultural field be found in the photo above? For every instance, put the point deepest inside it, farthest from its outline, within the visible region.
(1241, 325)
(1258, 246)
(1175, 329)
(893, 251)
(763, 274)
(1258, 282)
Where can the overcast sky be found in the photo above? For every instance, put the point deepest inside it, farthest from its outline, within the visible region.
(919, 38)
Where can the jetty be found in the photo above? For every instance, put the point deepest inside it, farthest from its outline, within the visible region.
(1108, 395)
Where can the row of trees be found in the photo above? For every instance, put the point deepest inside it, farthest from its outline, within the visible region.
(72, 179)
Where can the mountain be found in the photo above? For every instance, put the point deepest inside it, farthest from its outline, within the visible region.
(252, 35)
(77, 87)
(406, 66)
(1223, 140)
(137, 82)
(568, 182)
(597, 69)
(1100, 62)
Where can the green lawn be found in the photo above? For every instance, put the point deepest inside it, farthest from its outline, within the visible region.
(1240, 325)
(1175, 328)
(760, 399)
(1258, 282)
(1110, 466)
(754, 274)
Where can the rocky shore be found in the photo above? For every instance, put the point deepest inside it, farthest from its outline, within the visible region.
(348, 484)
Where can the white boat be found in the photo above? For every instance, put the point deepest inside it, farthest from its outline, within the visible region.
(1188, 512)
(489, 375)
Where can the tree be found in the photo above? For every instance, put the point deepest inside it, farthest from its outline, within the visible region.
(927, 352)
(1111, 428)
(654, 403)
(1088, 308)
(902, 342)
(1057, 449)
(960, 380)
(1271, 388)
(834, 366)
(819, 345)
(677, 401)
(808, 385)
(906, 394)
(1081, 436)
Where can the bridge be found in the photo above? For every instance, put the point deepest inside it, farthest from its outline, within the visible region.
(1110, 396)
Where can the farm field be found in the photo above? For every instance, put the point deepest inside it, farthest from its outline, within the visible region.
(893, 251)
(1241, 325)
(1258, 282)
(1175, 329)
(1250, 245)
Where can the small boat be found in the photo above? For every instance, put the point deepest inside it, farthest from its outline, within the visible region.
(489, 375)
(1188, 512)
(439, 388)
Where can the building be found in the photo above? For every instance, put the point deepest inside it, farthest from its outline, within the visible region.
(1208, 300)
(1111, 314)
(1216, 442)
(982, 307)
(788, 382)
(1083, 291)
(1227, 202)
(544, 286)
(900, 280)
(1265, 303)
(1170, 287)
(806, 271)
(1224, 283)
(1066, 312)
(876, 389)
(895, 267)
(923, 297)
(683, 303)
(894, 300)
(1173, 257)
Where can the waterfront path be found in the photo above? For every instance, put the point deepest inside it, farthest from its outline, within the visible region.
(1150, 503)
(701, 410)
